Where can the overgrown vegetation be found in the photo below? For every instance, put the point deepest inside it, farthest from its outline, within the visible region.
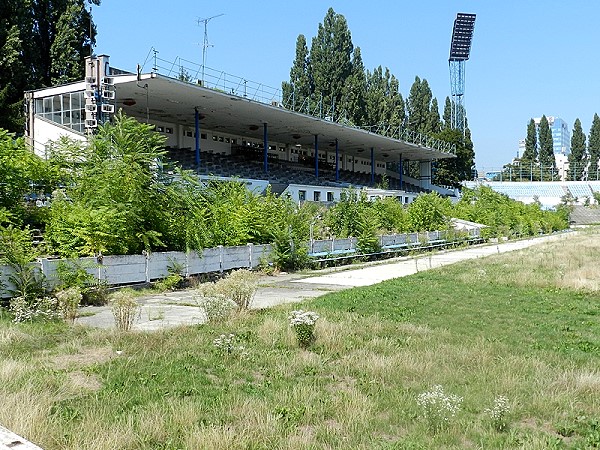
(479, 329)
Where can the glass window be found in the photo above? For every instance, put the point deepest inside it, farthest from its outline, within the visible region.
(317, 196)
(330, 196)
(301, 195)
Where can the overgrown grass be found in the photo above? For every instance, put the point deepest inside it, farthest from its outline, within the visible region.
(500, 326)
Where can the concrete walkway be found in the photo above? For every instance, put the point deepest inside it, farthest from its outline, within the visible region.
(179, 308)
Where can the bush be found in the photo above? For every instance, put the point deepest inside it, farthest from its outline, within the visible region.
(124, 309)
(217, 308)
(26, 310)
(303, 323)
(239, 286)
(68, 303)
(18, 253)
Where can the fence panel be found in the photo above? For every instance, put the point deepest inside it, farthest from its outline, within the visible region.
(5, 285)
(209, 260)
(158, 264)
(123, 269)
(260, 253)
(343, 244)
(236, 257)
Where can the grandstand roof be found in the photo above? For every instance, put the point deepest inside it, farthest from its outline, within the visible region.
(172, 100)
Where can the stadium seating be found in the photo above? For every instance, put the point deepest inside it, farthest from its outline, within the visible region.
(280, 172)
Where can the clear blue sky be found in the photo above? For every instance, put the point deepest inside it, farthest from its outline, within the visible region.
(528, 58)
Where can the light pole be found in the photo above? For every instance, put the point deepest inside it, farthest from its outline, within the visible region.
(312, 225)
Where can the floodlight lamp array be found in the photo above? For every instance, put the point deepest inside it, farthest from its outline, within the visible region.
(462, 36)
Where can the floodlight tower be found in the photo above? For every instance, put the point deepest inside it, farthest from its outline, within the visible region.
(460, 48)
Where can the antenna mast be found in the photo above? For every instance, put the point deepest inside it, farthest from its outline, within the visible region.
(205, 44)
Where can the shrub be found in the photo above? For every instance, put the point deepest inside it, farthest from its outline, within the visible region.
(124, 309)
(217, 308)
(239, 286)
(25, 310)
(169, 283)
(303, 323)
(226, 346)
(68, 302)
(18, 253)
(438, 407)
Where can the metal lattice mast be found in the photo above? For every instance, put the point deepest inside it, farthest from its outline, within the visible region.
(460, 49)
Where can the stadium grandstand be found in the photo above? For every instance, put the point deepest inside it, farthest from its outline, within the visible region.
(230, 127)
(548, 193)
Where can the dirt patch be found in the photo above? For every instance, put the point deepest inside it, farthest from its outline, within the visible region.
(85, 381)
(84, 358)
(545, 427)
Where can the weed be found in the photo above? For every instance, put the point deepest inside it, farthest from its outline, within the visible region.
(27, 310)
(217, 307)
(303, 323)
(68, 303)
(498, 414)
(437, 407)
(125, 310)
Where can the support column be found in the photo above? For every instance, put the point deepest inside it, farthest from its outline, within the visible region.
(317, 156)
(197, 122)
(337, 161)
(425, 174)
(372, 166)
(266, 148)
(400, 172)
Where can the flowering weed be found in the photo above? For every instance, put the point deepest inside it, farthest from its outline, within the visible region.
(498, 414)
(438, 407)
(303, 323)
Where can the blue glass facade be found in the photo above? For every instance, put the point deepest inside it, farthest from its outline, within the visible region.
(561, 135)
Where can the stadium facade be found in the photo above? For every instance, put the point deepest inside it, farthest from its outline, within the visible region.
(222, 133)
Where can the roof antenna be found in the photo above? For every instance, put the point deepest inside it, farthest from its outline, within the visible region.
(205, 44)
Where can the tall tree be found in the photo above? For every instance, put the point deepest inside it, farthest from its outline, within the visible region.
(448, 113)
(531, 152)
(546, 154)
(375, 99)
(577, 155)
(395, 108)
(434, 123)
(41, 42)
(418, 108)
(331, 61)
(594, 147)
(355, 91)
(298, 89)
(450, 172)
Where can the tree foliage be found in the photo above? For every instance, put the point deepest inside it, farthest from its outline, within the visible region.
(546, 152)
(578, 148)
(506, 217)
(594, 143)
(21, 173)
(297, 91)
(42, 42)
(531, 149)
(451, 171)
(331, 60)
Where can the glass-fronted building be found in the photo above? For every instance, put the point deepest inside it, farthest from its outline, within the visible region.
(561, 135)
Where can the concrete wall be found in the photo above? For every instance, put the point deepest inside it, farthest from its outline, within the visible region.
(130, 269)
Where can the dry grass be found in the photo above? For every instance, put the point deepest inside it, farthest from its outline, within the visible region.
(568, 263)
(356, 387)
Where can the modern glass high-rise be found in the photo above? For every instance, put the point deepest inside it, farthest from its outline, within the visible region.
(561, 135)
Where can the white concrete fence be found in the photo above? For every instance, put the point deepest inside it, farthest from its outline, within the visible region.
(133, 269)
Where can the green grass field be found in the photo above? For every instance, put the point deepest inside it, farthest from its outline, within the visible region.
(523, 325)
